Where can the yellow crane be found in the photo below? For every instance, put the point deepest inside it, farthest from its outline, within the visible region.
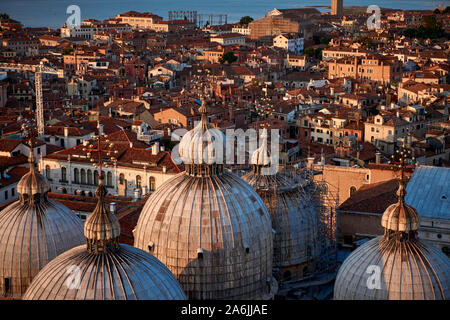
(38, 70)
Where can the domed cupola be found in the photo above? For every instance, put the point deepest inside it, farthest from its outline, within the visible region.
(397, 265)
(208, 226)
(201, 147)
(399, 216)
(103, 269)
(293, 218)
(33, 231)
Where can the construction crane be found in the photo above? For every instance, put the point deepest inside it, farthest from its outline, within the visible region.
(38, 70)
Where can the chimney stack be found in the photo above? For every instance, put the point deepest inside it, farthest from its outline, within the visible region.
(377, 157)
(155, 148)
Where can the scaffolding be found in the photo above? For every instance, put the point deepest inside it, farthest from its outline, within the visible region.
(199, 19)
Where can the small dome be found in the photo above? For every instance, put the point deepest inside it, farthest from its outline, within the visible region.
(198, 145)
(128, 274)
(33, 183)
(101, 225)
(399, 216)
(397, 265)
(103, 269)
(33, 231)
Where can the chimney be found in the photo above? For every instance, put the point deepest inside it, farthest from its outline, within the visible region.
(377, 157)
(113, 208)
(164, 169)
(155, 148)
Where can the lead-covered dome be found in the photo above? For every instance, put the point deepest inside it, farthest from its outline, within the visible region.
(211, 229)
(33, 231)
(103, 269)
(294, 219)
(397, 265)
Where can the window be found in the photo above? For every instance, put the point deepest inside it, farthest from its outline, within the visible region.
(83, 176)
(96, 177)
(63, 174)
(89, 176)
(121, 178)
(6, 194)
(76, 174)
(13, 192)
(138, 182)
(152, 184)
(352, 190)
(109, 179)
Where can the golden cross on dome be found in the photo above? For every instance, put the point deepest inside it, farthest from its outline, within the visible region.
(102, 146)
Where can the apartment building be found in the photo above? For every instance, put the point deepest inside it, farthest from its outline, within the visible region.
(292, 42)
(369, 69)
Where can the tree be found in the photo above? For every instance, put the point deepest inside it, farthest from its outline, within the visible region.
(246, 20)
(446, 10)
(66, 51)
(228, 57)
(437, 11)
(4, 16)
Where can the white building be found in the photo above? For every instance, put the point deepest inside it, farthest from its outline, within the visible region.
(228, 39)
(88, 31)
(138, 170)
(290, 41)
(242, 29)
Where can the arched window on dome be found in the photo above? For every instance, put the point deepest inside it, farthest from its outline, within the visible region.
(109, 179)
(352, 190)
(138, 182)
(96, 177)
(76, 175)
(83, 176)
(63, 174)
(48, 172)
(89, 176)
(152, 184)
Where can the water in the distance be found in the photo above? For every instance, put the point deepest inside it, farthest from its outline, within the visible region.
(52, 13)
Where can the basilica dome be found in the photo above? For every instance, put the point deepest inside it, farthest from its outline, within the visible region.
(33, 231)
(209, 227)
(294, 218)
(397, 265)
(103, 269)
